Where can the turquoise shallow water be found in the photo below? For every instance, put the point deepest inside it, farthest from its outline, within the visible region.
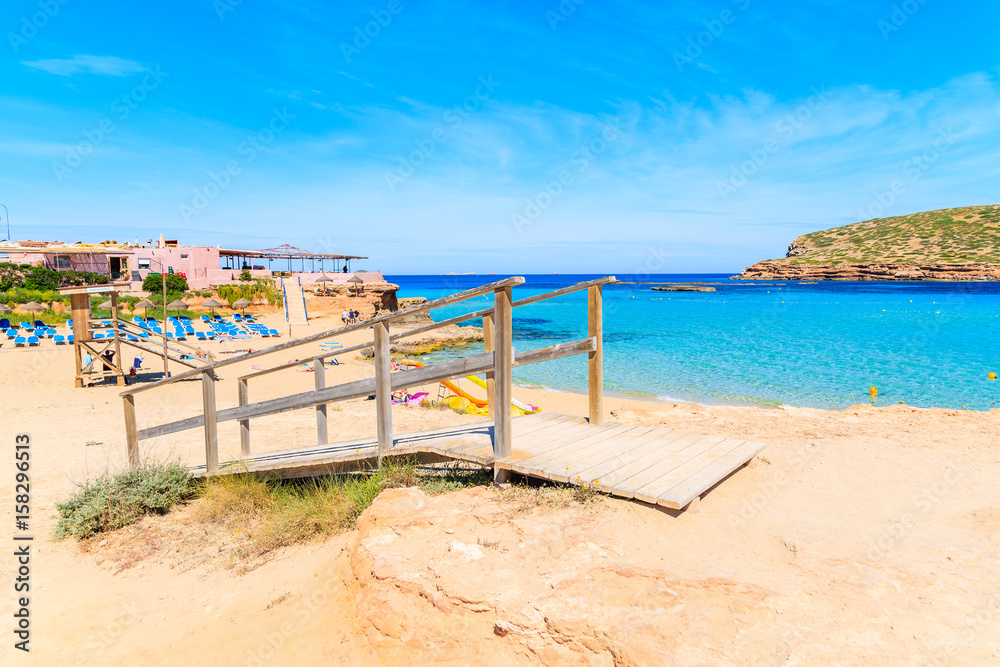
(748, 343)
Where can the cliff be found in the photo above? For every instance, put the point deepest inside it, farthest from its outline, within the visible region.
(948, 244)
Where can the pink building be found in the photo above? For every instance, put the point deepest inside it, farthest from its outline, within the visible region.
(201, 266)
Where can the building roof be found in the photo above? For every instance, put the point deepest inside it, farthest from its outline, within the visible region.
(284, 252)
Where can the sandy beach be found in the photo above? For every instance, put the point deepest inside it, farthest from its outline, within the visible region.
(864, 536)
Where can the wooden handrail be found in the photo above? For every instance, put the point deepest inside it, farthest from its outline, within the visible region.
(388, 317)
(399, 380)
(485, 312)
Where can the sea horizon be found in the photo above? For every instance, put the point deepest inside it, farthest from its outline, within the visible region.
(759, 343)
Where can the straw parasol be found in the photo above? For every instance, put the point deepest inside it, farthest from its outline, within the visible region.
(323, 278)
(105, 306)
(177, 305)
(357, 282)
(34, 307)
(242, 304)
(212, 304)
(5, 309)
(145, 304)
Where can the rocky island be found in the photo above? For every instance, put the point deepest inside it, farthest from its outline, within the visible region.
(947, 245)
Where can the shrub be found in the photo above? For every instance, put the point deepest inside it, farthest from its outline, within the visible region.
(25, 276)
(111, 502)
(154, 284)
(245, 276)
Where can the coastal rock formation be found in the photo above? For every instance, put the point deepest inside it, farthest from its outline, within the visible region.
(683, 288)
(776, 270)
(380, 295)
(949, 244)
(482, 580)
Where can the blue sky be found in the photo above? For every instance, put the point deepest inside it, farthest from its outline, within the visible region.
(524, 137)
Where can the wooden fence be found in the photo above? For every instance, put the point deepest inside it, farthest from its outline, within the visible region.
(496, 362)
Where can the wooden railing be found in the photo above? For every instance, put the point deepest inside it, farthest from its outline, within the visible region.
(496, 362)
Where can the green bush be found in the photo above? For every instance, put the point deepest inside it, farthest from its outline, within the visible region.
(153, 283)
(245, 275)
(108, 503)
(25, 276)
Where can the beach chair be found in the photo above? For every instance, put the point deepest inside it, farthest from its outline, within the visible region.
(206, 319)
(50, 333)
(151, 321)
(20, 341)
(171, 336)
(11, 333)
(59, 339)
(237, 317)
(184, 320)
(138, 321)
(25, 325)
(157, 330)
(4, 324)
(200, 335)
(32, 341)
(69, 339)
(98, 335)
(40, 325)
(274, 332)
(69, 323)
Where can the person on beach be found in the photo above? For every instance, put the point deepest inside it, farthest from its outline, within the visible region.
(343, 317)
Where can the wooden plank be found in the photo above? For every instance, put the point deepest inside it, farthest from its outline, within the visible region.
(575, 471)
(443, 323)
(670, 478)
(595, 360)
(131, 434)
(211, 426)
(543, 444)
(565, 290)
(581, 346)
(665, 448)
(323, 335)
(383, 389)
(601, 441)
(683, 493)
(244, 396)
(658, 468)
(319, 373)
(595, 473)
(503, 360)
(299, 362)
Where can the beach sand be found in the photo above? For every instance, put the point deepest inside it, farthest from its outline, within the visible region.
(865, 536)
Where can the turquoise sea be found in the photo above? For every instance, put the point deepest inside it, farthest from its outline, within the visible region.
(763, 344)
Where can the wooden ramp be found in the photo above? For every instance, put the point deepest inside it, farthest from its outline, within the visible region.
(659, 466)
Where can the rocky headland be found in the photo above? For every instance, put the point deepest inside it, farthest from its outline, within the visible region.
(955, 244)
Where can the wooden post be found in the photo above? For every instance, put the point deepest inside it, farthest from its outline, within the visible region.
(163, 325)
(595, 360)
(118, 347)
(131, 434)
(383, 389)
(211, 422)
(319, 370)
(80, 305)
(502, 364)
(488, 346)
(244, 389)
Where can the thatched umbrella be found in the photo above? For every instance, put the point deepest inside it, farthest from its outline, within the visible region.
(242, 304)
(5, 309)
(357, 282)
(212, 304)
(323, 278)
(105, 306)
(34, 307)
(177, 305)
(145, 304)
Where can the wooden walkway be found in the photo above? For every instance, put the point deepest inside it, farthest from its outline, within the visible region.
(659, 466)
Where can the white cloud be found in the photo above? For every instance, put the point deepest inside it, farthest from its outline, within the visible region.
(107, 65)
